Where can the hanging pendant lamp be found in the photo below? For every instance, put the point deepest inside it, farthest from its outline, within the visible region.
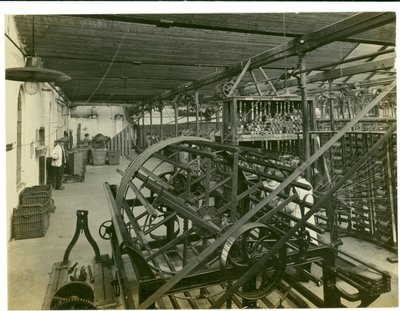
(34, 72)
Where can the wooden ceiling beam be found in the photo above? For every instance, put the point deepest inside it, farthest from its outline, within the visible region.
(138, 63)
(108, 103)
(350, 26)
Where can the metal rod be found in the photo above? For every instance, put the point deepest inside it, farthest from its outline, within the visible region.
(347, 60)
(152, 212)
(255, 83)
(236, 84)
(192, 150)
(268, 80)
(196, 101)
(368, 119)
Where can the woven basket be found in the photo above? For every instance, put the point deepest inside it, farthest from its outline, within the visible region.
(46, 188)
(35, 195)
(31, 222)
(41, 205)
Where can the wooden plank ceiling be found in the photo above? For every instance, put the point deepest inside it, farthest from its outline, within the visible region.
(131, 58)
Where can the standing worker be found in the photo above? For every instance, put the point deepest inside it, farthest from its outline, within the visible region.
(87, 140)
(59, 159)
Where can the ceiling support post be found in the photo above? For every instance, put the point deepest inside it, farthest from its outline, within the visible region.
(331, 114)
(161, 107)
(176, 117)
(143, 138)
(302, 80)
(196, 101)
(151, 118)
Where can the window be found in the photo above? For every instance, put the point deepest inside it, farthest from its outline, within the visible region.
(42, 136)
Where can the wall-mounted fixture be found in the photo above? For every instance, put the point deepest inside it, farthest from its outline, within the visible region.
(33, 73)
(41, 149)
(93, 115)
(118, 116)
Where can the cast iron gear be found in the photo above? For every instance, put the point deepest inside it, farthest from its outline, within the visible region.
(75, 303)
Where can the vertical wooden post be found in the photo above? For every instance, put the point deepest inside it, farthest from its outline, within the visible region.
(176, 118)
(187, 117)
(234, 121)
(151, 119)
(234, 184)
(143, 132)
(305, 113)
(161, 107)
(331, 115)
(196, 100)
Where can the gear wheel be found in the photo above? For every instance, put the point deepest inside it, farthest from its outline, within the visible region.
(72, 290)
(75, 303)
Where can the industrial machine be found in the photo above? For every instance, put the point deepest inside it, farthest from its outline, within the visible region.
(209, 225)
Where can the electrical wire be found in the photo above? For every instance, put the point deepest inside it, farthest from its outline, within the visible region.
(109, 66)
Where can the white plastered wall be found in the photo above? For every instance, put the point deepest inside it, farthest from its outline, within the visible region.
(38, 110)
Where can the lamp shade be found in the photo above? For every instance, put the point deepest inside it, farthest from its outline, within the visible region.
(34, 72)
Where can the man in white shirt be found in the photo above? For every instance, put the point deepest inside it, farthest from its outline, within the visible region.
(59, 159)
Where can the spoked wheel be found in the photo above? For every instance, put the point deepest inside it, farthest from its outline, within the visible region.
(245, 248)
(177, 181)
(181, 186)
(105, 230)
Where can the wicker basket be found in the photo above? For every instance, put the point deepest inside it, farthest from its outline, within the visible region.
(47, 188)
(31, 221)
(39, 206)
(35, 194)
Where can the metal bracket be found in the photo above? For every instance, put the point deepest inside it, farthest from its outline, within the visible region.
(82, 225)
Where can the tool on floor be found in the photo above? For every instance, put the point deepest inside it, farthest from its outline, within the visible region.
(74, 277)
(70, 270)
(82, 274)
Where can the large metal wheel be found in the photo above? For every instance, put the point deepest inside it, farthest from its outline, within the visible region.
(245, 248)
(180, 195)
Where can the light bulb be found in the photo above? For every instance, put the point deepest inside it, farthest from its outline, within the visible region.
(31, 88)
